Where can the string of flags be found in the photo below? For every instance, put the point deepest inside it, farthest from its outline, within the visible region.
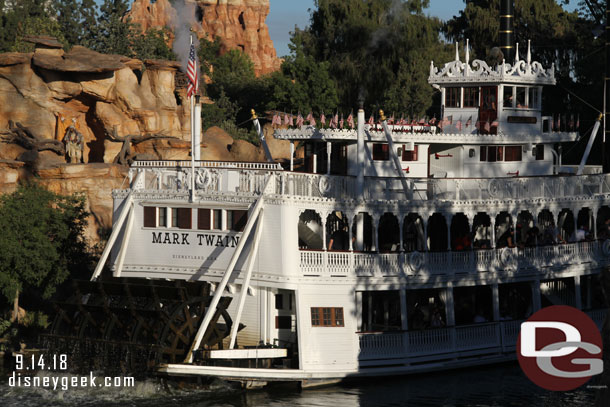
(449, 123)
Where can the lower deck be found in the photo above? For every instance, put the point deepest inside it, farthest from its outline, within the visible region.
(319, 334)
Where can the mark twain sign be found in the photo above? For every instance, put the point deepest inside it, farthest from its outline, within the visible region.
(201, 239)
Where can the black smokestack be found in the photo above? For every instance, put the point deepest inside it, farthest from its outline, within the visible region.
(507, 35)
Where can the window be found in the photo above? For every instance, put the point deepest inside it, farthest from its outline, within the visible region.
(513, 153)
(381, 152)
(452, 97)
(521, 97)
(410, 155)
(533, 98)
(279, 301)
(539, 151)
(283, 322)
(203, 219)
(182, 217)
(508, 96)
(150, 213)
(500, 153)
(327, 317)
(238, 220)
(471, 97)
(492, 152)
(162, 217)
(217, 219)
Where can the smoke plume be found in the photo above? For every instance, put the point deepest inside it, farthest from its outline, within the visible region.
(182, 22)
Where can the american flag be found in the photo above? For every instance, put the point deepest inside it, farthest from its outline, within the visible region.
(192, 73)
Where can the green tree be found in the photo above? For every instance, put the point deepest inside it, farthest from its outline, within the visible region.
(378, 51)
(41, 241)
(151, 44)
(303, 84)
(26, 17)
(112, 34)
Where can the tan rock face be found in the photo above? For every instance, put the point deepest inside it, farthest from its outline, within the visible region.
(240, 24)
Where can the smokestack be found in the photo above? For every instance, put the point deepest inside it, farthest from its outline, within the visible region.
(360, 154)
(507, 35)
(606, 140)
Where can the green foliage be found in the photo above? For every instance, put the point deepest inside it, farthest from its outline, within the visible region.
(42, 240)
(303, 85)
(376, 50)
(26, 17)
(151, 44)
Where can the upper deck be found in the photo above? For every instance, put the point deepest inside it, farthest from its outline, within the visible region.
(243, 182)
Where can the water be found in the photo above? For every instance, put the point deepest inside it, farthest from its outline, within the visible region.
(500, 385)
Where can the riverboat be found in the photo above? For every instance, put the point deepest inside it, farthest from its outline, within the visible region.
(387, 249)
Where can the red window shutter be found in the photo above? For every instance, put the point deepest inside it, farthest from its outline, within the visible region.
(240, 218)
(203, 219)
(184, 218)
(150, 217)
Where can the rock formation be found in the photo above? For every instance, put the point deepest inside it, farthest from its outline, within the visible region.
(240, 24)
(43, 92)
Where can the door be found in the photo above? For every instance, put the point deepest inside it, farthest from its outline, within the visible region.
(488, 110)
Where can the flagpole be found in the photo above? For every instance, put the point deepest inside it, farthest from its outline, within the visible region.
(192, 141)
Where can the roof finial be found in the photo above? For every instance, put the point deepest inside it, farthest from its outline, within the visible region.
(529, 53)
(457, 51)
(517, 54)
(467, 52)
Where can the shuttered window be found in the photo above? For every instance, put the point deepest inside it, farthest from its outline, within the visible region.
(239, 220)
(381, 152)
(540, 152)
(184, 218)
(150, 216)
(410, 155)
(513, 153)
(203, 219)
(452, 97)
(471, 97)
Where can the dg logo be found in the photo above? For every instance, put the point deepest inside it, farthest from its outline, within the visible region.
(560, 348)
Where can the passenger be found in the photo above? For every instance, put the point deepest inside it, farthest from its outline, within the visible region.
(437, 320)
(580, 234)
(479, 318)
(532, 237)
(339, 240)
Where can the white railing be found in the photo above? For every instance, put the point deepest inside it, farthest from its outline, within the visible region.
(477, 338)
(598, 316)
(380, 345)
(500, 336)
(214, 176)
(527, 260)
(430, 341)
(206, 164)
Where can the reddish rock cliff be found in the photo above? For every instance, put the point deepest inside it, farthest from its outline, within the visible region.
(239, 23)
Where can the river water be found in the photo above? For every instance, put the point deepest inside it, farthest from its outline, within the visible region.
(500, 385)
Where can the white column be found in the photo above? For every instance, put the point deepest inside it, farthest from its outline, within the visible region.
(360, 154)
(403, 310)
(315, 158)
(350, 220)
(577, 294)
(197, 134)
(449, 305)
(324, 217)
(375, 230)
(536, 300)
(291, 155)
(359, 231)
(448, 218)
(329, 149)
(495, 297)
(400, 228)
(359, 310)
